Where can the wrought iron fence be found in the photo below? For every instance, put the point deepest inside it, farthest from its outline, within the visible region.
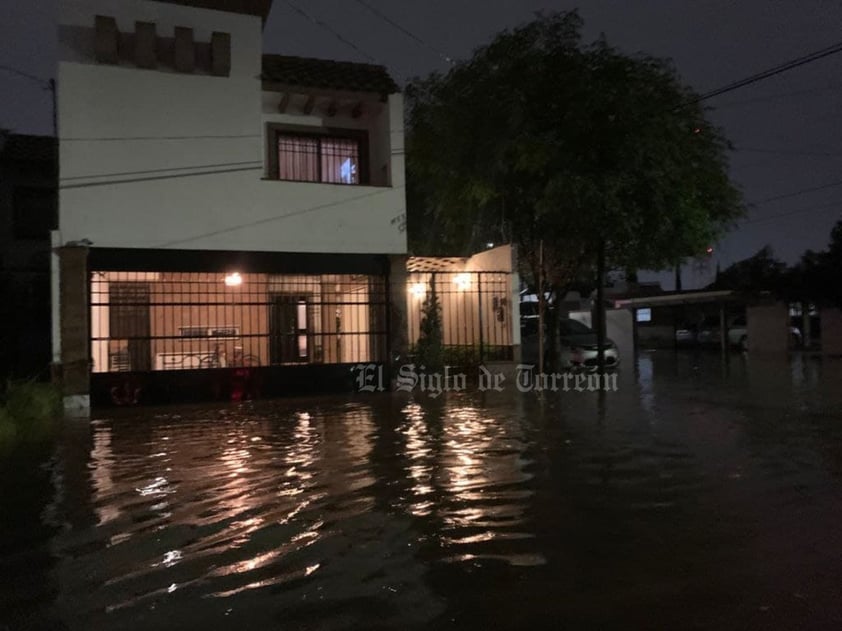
(143, 321)
(475, 310)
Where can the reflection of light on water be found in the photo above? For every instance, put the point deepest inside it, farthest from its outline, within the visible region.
(418, 451)
(159, 486)
(517, 560)
(645, 381)
(170, 558)
(102, 460)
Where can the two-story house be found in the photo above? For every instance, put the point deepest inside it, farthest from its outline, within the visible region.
(225, 216)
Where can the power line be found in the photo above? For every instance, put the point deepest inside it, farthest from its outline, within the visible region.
(44, 82)
(157, 177)
(405, 31)
(329, 29)
(780, 95)
(809, 209)
(295, 213)
(162, 170)
(771, 72)
(787, 152)
(797, 193)
(194, 137)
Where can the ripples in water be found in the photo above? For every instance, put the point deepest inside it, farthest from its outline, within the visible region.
(393, 513)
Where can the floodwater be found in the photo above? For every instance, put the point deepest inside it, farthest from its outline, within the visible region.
(701, 495)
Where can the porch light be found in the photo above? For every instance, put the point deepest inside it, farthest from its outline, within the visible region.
(233, 280)
(462, 281)
(418, 290)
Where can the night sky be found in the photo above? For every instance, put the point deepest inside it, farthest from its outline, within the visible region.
(787, 129)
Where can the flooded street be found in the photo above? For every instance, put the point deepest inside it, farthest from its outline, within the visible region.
(699, 496)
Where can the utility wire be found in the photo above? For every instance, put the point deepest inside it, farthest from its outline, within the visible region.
(295, 213)
(164, 170)
(810, 209)
(157, 177)
(45, 83)
(779, 96)
(329, 29)
(797, 193)
(771, 72)
(786, 152)
(195, 137)
(374, 10)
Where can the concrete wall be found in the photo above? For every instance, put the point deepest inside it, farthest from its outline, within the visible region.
(831, 322)
(155, 188)
(768, 328)
(479, 299)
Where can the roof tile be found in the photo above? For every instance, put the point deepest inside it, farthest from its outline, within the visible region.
(328, 74)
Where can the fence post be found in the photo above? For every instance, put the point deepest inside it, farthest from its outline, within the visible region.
(479, 311)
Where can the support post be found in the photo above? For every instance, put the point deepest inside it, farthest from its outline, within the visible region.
(398, 334)
(541, 306)
(479, 314)
(74, 330)
(600, 308)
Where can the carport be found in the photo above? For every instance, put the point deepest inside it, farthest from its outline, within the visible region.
(721, 299)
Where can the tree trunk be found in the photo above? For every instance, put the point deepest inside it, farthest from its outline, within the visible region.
(600, 308)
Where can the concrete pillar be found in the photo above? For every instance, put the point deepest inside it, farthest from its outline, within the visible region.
(768, 328)
(514, 298)
(831, 328)
(74, 327)
(398, 313)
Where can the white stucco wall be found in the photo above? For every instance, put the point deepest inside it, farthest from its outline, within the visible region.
(155, 188)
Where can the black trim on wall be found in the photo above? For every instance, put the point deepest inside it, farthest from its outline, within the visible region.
(157, 260)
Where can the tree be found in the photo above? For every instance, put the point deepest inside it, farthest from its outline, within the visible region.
(815, 278)
(430, 349)
(760, 272)
(540, 137)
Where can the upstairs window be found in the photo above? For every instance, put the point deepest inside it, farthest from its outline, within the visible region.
(328, 158)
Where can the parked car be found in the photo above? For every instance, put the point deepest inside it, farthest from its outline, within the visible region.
(738, 334)
(579, 347)
(686, 335)
(529, 317)
(709, 333)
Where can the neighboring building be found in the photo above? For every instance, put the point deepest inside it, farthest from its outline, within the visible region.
(225, 216)
(27, 215)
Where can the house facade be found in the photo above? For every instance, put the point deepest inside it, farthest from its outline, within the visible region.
(229, 222)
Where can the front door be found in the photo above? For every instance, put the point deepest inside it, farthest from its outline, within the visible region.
(289, 330)
(129, 320)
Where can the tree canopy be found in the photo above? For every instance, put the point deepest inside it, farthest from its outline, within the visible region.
(541, 137)
(813, 279)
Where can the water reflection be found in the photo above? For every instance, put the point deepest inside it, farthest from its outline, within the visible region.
(479, 511)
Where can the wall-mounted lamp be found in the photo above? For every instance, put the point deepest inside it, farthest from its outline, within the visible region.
(462, 281)
(233, 280)
(418, 289)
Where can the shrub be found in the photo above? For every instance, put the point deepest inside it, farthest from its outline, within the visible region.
(429, 351)
(30, 410)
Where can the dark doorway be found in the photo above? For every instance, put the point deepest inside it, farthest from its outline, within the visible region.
(128, 319)
(289, 329)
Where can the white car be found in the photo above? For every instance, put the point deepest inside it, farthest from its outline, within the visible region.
(579, 348)
(737, 333)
